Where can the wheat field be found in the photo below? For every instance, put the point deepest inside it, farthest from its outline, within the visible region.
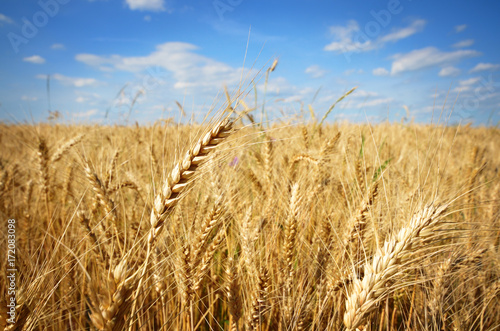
(233, 226)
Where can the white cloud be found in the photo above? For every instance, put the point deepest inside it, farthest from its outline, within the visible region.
(427, 57)
(349, 72)
(189, 70)
(80, 99)
(356, 95)
(87, 113)
(380, 72)
(5, 19)
(363, 94)
(460, 28)
(152, 5)
(461, 89)
(371, 103)
(74, 81)
(36, 59)
(470, 81)
(28, 98)
(277, 85)
(58, 46)
(147, 18)
(350, 38)
(105, 64)
(449, 71)
(398, 34)
(315, 71)
(94, 60)
(464, 43)
(466, 85)
(488, 96)
(423, 110)
(484, 66)
(283, 91)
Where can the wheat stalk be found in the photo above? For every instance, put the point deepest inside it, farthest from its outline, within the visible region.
(210, 223)
(175, 185)
(110, 315)
(104, 199)
(289, 248)
(366, 293)
(207, 258)
(64, 148)
(259, 306)
(354, 242)
(233, 295)
(168, 196)
(43, 164)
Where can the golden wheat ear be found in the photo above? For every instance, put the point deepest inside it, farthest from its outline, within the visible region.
(176, 185)
(367, 292)
(172, 189)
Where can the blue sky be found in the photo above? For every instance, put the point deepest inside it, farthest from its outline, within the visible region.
(402, 55)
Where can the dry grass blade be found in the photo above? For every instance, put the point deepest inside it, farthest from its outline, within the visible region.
(334, 104)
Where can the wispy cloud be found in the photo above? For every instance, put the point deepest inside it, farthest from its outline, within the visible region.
(278, 86)
(315, 71)
(5, 20)
(449, 71)
(36, 59)
(87, 113)
(466, 85)
(460, 28)
(349, 72)
(427, 57)
(28, 98)
(354, 96)
(380, 72)
(371, 103)
(89, 98)
(73, 81)
(398, 34)
(484, 66)
(464, 43)
(58, 46)
(189, 69)
(151, 5)
(350, 38)
(470, 81)
(358, 93)
(365, 99)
